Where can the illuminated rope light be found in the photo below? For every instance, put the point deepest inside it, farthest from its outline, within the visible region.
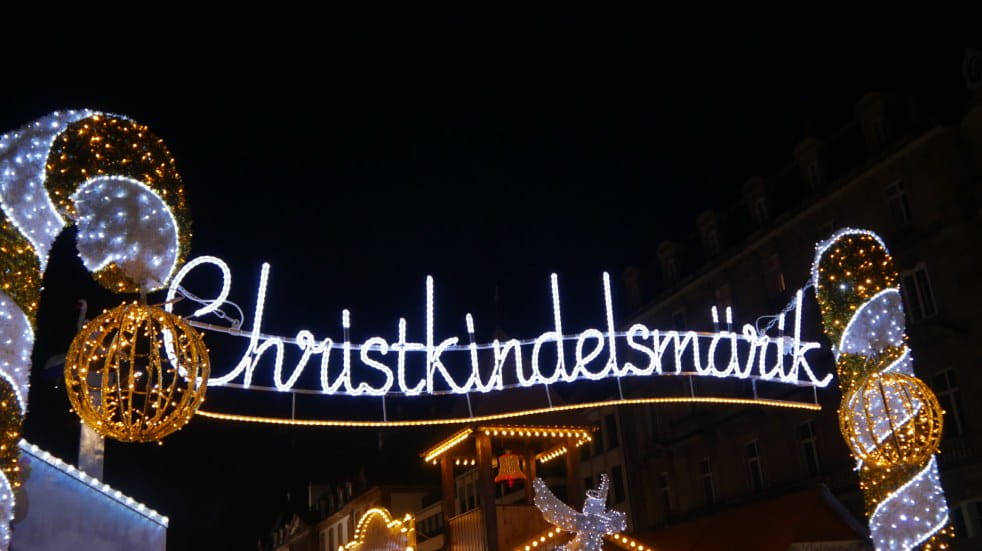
(479, 418)
(671, 352)
(94, 483)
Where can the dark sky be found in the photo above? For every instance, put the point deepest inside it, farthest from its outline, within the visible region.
(358, 152)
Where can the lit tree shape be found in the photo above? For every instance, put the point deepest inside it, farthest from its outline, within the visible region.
(590, 526)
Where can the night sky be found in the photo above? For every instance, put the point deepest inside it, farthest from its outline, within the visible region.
(359, 152)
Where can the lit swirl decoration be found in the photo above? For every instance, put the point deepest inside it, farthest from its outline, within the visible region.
(890, 419)
(117, 182)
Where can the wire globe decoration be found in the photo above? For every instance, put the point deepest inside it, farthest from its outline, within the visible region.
(892, 419)
(136, 373)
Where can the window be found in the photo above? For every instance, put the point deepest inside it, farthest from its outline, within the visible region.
(723, 296)
(919, 298)
(753, 467)
(946, 388)
(678, 320)
(710, 241)
(325, 545)
(670, 270)
(809, 446)
(611, 423)
(967, 517)
(825, 230)
(876, 129)
(774, 276)
(897, 201)
(812, 171)
(617, 479)
(760, 211)
(664, 489)
(706, 477)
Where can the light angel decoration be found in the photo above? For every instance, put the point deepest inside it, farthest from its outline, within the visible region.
(590, 526)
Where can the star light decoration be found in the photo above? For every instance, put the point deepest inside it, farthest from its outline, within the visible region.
(116, 181)
(590, 526)
(891, 420)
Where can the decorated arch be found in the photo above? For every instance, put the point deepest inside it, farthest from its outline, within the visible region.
(138, 372)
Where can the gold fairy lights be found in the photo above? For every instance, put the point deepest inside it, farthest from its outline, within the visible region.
(891, 421)
(377, 529)
(764, 402)
(910, 431)
(102, 145)
(136, 373)
(548, 456)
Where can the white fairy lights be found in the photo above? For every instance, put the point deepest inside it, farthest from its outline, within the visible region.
(912, 513)
(25, 201)
(747, 354)
(117, 182)
(93, 483)
(890, 419)
(121, 220)
(591, 526)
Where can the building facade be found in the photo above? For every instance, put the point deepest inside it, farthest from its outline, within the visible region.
(911, 179)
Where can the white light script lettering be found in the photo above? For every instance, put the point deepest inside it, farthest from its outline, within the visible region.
(747, 354)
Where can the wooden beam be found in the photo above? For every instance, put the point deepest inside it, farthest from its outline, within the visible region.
(530, 474)
(574, 483)
(485, 489)
(449, 485)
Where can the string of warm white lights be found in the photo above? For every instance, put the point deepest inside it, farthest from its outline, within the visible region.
(763, 402)
(393, 535)
(93, 483)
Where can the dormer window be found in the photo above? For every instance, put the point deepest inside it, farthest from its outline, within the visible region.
(755, 197)
(871, 110)
(812, 172)
(760, 212)
(808, 155)
(668, 260)
(709, 233)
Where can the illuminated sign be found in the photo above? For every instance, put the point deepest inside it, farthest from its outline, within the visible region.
(378, 366)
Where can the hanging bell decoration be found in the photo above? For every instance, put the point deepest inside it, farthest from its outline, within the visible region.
(509, 468)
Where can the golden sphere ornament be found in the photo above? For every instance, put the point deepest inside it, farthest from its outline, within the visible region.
(137, 373)
(892, 419)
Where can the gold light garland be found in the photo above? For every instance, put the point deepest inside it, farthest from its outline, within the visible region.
(766, 402)
(136, 373)
(11, 422)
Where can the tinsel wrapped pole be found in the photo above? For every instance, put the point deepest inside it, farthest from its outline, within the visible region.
(890, 419)
(117, 183)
